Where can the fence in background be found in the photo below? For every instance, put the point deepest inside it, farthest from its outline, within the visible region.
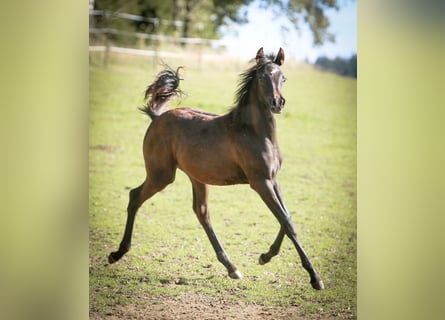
(155, 38)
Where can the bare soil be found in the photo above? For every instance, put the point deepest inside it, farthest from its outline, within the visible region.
(199, 306)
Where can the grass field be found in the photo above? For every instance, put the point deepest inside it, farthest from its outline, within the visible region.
(171, 255)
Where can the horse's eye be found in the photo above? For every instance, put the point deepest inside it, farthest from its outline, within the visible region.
(284, 79)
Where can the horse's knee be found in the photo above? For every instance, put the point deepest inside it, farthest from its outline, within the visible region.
(203, 209)
(202, 213)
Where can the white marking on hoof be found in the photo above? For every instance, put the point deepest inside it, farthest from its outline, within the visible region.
(235, 275)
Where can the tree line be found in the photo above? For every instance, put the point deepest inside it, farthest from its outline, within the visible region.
(204, 18)
(341, 66)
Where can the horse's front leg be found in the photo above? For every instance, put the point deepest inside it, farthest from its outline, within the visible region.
(200, 195)
(274, 248)
(267, 189)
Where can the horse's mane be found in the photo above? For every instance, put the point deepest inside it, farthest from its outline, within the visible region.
(246, 79)
(244, 85)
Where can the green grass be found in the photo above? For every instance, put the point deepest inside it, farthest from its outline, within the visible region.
(170, 252)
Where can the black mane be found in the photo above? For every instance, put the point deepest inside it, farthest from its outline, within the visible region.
(244, 85)
(246, 79)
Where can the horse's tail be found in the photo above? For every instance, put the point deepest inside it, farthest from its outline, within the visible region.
(161, 91)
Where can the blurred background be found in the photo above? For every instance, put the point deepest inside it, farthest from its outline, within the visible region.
(318, 32)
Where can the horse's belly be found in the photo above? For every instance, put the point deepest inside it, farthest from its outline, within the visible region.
(216, 173)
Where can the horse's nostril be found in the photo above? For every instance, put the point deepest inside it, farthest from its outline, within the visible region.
(278, 101)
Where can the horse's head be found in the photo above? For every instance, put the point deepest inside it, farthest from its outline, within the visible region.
(271, 79)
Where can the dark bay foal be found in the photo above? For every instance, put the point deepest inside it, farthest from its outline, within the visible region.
(238, 147)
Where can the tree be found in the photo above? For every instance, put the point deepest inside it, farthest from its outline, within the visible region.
(344, 67)
(182, 14)
(311, 11)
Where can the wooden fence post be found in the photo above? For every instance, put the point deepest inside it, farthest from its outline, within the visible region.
(107, 40)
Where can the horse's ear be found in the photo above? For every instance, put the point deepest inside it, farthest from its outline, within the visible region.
(259, 55)
(279, 60)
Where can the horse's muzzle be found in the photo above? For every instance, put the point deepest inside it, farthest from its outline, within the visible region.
(278, 104)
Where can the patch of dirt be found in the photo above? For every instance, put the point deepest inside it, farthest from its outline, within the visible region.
(107, 148)
(191, 306)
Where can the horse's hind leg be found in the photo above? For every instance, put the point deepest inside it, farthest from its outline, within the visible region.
(200, 193)
(137, 197)
(275, 247)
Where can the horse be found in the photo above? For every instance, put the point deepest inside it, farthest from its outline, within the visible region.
(239, 147)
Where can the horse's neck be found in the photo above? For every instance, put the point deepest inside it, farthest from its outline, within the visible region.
(262, 122)
(261, 119)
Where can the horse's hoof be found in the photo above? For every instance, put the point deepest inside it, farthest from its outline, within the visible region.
(235, 275)
(318, 285)
(263, 261)
(112, 258)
